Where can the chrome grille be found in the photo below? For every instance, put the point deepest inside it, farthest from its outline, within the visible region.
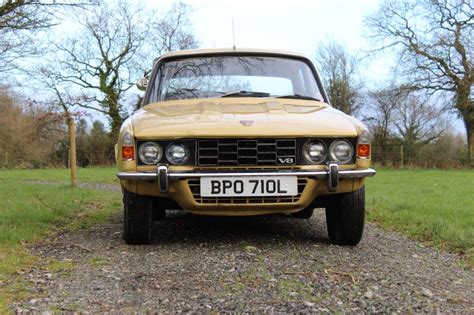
(195, 187)
(246, 152)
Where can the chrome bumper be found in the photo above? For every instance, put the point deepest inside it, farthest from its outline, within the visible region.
(163, 175)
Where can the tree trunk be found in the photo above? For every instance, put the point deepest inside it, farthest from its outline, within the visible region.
(114, 110)
(115, 125)
(465, 105)
(72, 151)
(469, 124)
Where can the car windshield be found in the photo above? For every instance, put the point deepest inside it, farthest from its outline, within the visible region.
(234, 76)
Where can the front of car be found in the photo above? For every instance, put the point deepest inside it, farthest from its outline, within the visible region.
(237, 132)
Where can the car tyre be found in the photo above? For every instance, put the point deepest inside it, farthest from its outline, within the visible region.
(306, 213)
(345, 216)
(137, 219)
(158, 212)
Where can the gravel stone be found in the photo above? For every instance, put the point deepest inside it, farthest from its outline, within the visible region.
(262, 264)
(426, 292)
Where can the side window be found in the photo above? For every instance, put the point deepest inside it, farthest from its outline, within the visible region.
(310, 87)
(156, 87)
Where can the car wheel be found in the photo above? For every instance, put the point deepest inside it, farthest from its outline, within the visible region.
(137, 219)
(158, 214)
(345, 215)
(306, 213)
(159, 211)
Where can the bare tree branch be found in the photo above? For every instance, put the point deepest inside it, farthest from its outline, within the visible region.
(108, 55)
(20, 19)
(434, 41)
(339, 73)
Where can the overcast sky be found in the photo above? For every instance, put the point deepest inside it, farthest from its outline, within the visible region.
(297, 25)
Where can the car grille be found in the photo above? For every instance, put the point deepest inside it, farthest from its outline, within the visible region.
(246, 152)
(195, 187)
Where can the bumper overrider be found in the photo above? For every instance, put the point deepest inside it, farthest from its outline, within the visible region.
(331, 175)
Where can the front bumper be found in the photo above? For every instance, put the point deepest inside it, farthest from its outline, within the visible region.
(331, 175)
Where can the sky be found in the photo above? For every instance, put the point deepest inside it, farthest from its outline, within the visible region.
(289, 25)
(298, 25)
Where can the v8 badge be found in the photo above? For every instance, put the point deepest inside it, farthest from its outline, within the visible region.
(288, 160)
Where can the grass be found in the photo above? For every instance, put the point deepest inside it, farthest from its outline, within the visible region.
(436, 206)
(91, 174)
(30, 211)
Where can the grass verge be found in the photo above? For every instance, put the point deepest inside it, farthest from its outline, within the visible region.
(89, 174)
(436, 206)
(29, 212)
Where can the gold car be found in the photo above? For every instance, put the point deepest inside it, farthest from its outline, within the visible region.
(239, 133)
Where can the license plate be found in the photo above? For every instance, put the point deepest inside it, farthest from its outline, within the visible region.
(246, 186)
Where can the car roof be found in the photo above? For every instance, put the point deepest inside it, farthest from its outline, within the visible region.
(228, 51)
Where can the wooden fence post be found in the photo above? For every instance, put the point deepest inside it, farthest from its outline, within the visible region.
(72, 151)
(401, 156)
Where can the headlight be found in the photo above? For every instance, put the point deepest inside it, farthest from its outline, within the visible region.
(341, 151)
(177, 153)
(314, 151)
(150, 153)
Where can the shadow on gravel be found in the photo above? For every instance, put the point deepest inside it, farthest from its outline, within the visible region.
(179, 227)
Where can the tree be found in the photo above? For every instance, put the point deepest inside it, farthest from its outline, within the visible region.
(449, 150)
(28, 133)
(382, 104)
(416, 120)
(98, 128)
(98, 62)
(81, 127)
(19, 20)
(401, 114)
(67, 105)
(12, 121)
(107, 59)
(173, 33)
(64, 105)
(173, 30)
(434, 40)
(99, 146)
(338, 70)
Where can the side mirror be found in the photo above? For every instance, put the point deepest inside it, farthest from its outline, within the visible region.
(142, 83)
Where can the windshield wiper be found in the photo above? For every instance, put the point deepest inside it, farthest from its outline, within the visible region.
(299, 97)
(246, 94)
(188, 90)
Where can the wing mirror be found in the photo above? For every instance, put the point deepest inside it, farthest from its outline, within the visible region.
(143, 83)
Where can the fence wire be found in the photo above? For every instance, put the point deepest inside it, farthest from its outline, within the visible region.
(419, 156)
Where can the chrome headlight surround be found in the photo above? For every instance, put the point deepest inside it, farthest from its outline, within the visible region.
(150, 153)
(341, 151)
(177, 153)
(315, 145)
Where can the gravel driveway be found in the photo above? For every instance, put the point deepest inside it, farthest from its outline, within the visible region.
(264, 264)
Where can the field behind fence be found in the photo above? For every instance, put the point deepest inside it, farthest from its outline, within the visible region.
(427, 156)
